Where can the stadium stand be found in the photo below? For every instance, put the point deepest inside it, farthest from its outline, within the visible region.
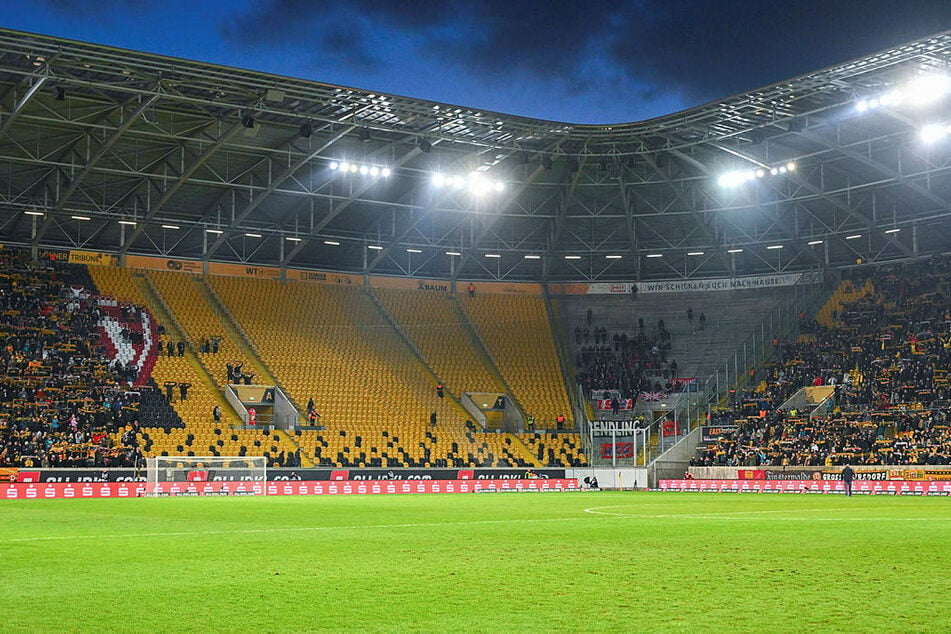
(74, 380)
(882, 344)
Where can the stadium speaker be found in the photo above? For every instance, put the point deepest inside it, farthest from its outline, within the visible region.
(247, 121)
(59, 93)
(306, 130)
(364, 135)
(424, 146)
(547, 163)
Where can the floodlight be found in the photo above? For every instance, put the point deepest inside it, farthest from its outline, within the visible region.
(493, 255)
(364, 170)
(128, 223)
(214, 231)
(375, 247)
(332, 243)
(933, 132)
(385, 171)
(734, 250)
(853, 236)
(334, 165)
(532, 256)
(572, 257)
(695, 253)
(892, 230)
(80, 217)
(927, 89)
(813, 243)
(413, 251)
(775, 246)
(374, 171)
(293, 239)
(353, 168)
(612, 257)
(253, 235)
(456, 253)
(654, 255)
(40, 213)
(172, 227)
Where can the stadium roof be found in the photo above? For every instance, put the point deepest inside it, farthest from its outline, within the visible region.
(135, 153)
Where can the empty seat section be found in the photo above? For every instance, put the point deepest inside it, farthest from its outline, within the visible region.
(432, 321)
(517, 334)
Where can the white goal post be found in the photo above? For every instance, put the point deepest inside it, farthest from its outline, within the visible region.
(170, 476)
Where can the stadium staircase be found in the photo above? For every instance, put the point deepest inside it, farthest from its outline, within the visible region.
(515, 331)
(434, 327)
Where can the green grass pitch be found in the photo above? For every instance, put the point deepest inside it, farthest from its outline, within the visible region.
(508, 562)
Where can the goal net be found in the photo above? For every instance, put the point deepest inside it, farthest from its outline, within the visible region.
(206, 475)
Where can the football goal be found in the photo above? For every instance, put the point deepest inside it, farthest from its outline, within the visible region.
(206, 475)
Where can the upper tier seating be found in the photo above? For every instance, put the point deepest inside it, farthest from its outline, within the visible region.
(432, 323)
(517, 334)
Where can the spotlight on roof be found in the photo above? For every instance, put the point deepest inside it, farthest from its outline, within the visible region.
(927, 89)
(933, 132)
(247, 121)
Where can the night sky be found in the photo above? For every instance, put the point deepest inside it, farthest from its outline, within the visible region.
(578, 62)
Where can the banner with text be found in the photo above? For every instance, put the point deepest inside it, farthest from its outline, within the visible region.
(717, 284)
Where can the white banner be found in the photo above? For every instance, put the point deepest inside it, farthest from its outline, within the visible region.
(717, 284)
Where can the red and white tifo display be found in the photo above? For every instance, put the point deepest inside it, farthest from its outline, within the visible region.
(61, 490)
(868, 487)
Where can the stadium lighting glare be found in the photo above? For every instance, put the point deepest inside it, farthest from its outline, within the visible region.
(654, 255)
(927, 89)
(353, 168)
(171, 227)
(775, 246)
(214, 231)
(364, 170)
(332, 243)
(813, 243)
(80, 217)
(531, 256)
(128, 223)
(438, 180)
(253, 235)
(334, 165)
(385, 172)
(934, 132)
(374, 171)
(853, 236)
(695, 253)
(453, 253)
(734, 250)
(892, 230)
(739, 177)
(375, 247)
(499, 186)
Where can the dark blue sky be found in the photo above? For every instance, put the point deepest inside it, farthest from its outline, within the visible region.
(580, 62)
